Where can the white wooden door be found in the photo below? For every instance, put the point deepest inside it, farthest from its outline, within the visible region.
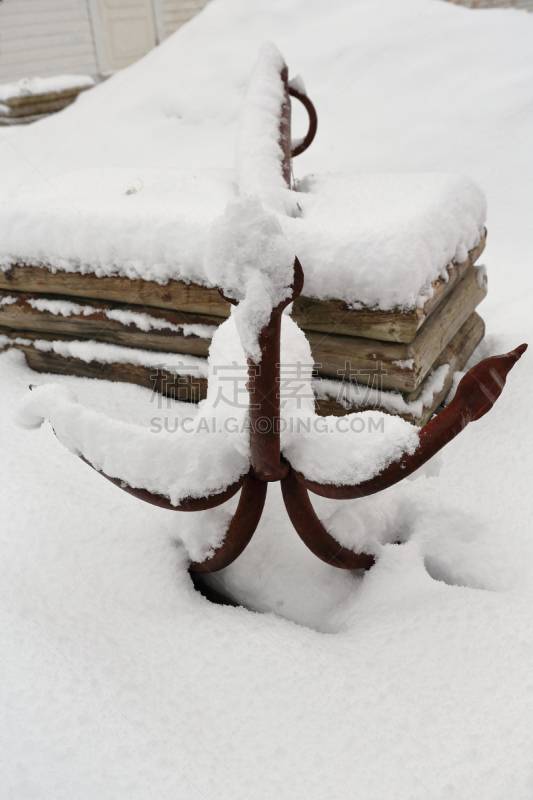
(128, 30)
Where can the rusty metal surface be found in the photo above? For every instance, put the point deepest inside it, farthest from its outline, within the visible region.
(161, 501)
(241, 528)
(290, 152)
(263, 386)
(313, 533)
(313, 122)
(476, 394)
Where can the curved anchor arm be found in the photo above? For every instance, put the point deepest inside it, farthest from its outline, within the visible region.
(476, 394)
(313, 533)
(161, 501)
(243, 523)
(241, 528)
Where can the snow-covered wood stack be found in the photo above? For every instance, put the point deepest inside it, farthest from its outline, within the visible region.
(31, 99)
(103, 272)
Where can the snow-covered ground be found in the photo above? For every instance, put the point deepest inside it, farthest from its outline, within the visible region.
(117, 679)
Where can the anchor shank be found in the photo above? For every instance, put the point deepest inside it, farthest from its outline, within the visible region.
(263, 385)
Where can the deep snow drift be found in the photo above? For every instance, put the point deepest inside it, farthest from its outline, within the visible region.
(414, 681)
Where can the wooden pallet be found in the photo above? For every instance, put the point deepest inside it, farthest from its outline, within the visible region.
(190, 388)
(30, 107)
(22, 316)
(402, 366)
(455, 354)
(193, 387)
(323, 316)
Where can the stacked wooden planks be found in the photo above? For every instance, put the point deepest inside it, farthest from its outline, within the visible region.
(397, 357)
(21, 104)
(401, 361)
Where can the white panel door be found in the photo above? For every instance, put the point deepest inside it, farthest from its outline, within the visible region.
(128, 28)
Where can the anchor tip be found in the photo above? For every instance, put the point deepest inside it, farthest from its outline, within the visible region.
(519, 351)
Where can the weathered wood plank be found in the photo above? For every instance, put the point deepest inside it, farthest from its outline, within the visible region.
(327, 316)
(457, 351)
(191, 388)
(439, 328)
(334, 316)
(37, 108)
(187, 388)
(21, 316)
(526, 5)
(25, 100)
(399, 366)
(5, 121)
(175, 295)
(456, 354)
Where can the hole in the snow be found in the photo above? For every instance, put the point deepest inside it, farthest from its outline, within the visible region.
(322, 614)
(277, 574)
(397, 535)
(210, 592)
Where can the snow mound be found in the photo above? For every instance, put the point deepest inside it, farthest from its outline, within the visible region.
(248, 257)
(350, 449)
(259, 155)
(380, 240)
(118, 680)
(139, 223)
(176, 465)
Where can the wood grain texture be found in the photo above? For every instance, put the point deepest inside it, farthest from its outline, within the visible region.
(193, 388)
(526, 5)
(187, 388)
(19, 110)
(5, 121)
(175, 295)
(325, 316)
(334, 316)
(20, 316)
(364, 359)
(456, 354)
(49, 97)
(334, 356)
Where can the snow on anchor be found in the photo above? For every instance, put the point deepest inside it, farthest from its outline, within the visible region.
(261, 278)
(256, 269)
